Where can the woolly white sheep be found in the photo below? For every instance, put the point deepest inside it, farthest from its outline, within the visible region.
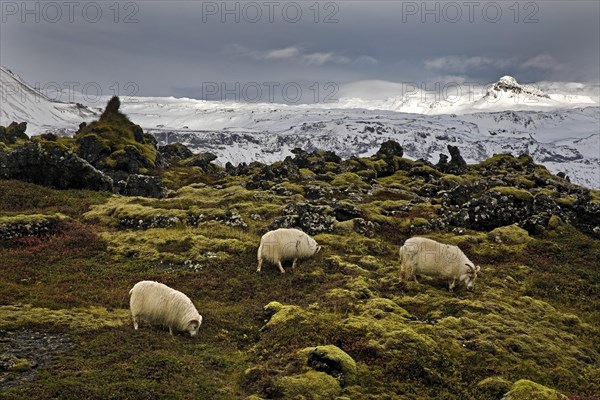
(422, 256)
(158, 304)
(286, 244)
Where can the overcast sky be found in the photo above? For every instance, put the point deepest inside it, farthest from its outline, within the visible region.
(181, 48)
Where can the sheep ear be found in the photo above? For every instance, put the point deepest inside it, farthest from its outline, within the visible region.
(478, 269)
(318, 249)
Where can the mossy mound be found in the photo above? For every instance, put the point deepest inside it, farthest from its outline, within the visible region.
(528, 390)
(311, 385)
(334, 361)
(512, 234)
(115, 143)
(76, 320)
(22, 225)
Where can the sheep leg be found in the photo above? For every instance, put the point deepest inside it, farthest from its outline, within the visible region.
(294, 265)
(136, 322)
(260, 261)
(280, 267)
(452, 284)
(171, 330)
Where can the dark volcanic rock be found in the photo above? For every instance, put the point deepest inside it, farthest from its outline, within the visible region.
(130, 160)
(92, 149)
(456, 166)
(307, 217)
(495, 208)
(13, 132)
(390, 149)
(201, 160)
(346, 212)
(175, 151)
(587, 215)
(142, 185)
(51, 165)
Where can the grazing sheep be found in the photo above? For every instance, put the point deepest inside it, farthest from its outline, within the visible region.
(427, 257)
(160, 305)
(285, 244)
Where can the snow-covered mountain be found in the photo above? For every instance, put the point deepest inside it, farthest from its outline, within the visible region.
(20, 102)
(558, 124)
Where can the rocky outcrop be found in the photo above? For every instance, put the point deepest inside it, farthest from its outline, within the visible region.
(390, 149)
(48, 164)
(13, 132)
(312, 219)
(456, 166)
(175, 152)
(201, 160)
(142, 185)
(498, 206)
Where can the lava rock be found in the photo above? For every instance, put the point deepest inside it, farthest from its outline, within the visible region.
(92, 149)
(390, 149)
(312, 219)
(175, 152)
(13, 132)
(201, 160)
(333, 361)
(50, 165)
(142, 185)
(495, 208)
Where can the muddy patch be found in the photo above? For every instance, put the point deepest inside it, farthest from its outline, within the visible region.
(23, 352)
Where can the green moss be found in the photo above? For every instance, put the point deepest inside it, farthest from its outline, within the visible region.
(520, 194)
(492, 388)
(348, 179)
(77, 319)
(293, 187)
(568, 201)
(311, 385)
(307, 173)
(528, 390)
(178, 245)
(511, 234)
(335, 358)
(284, 314)
(27, 219)
(15, 364)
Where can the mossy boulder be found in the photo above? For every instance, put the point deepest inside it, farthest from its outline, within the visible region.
(511, 234)
(175, 152)
(311, 385)
(114, 143)
(492, 388)
(23, 225)
(333, 361)
(528, 390)
(50, 164)
(13, 133)
(310, 218)
(389, 149)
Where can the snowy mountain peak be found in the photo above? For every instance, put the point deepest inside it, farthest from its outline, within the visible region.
(509, 85)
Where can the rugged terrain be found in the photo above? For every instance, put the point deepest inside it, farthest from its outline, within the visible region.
(555, 123)
(342, 326)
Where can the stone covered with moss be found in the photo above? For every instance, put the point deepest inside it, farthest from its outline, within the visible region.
(528, 390)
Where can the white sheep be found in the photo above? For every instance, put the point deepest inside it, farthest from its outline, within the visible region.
(285, 244)
(158, 304)
(422, 256)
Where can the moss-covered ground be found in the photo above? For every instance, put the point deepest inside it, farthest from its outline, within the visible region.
(534, 314)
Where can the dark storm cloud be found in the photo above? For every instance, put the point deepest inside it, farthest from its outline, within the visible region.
(175, 48)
